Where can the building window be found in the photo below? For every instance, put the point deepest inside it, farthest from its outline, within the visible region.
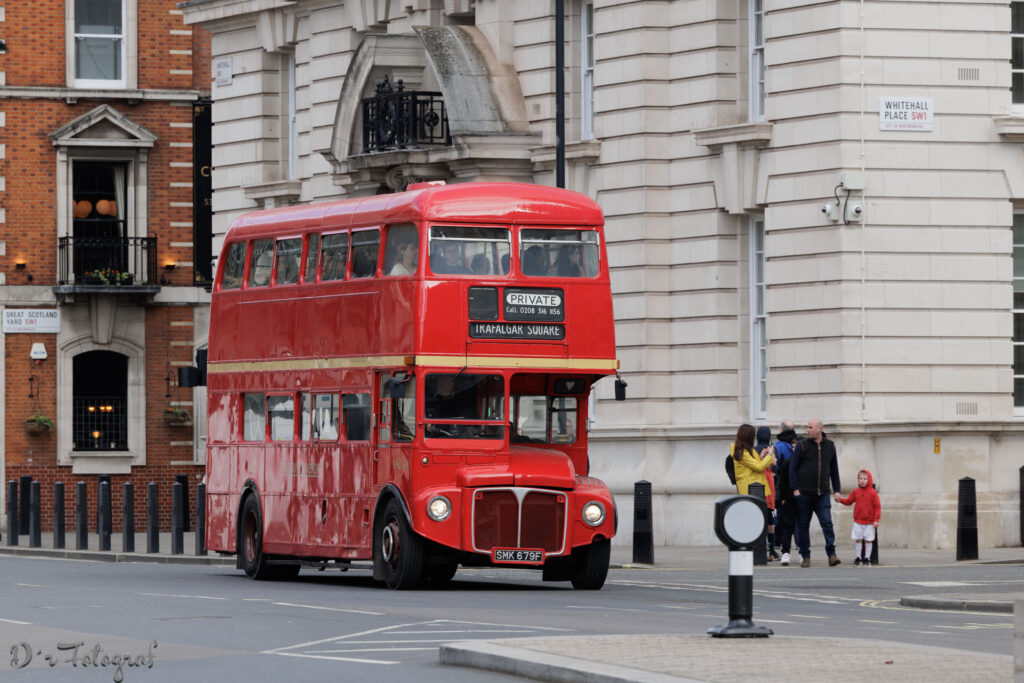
(758, 322)
(289, 136)
(756, 59)
(100, 402)
(587, 72)
(99, 191)
(1018, 312)
(102, 43)
(1017, 51)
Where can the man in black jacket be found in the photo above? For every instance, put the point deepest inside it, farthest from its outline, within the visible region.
(812, 468)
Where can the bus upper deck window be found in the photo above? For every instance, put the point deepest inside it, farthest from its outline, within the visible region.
(334, 256)
(364, 253)
(558, 253)
(402, 252)
(234, 267)
(286, 258)
(311, 254)
(460, 250)
(260, 261)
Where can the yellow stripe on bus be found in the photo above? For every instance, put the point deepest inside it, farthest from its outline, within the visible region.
(442, 361)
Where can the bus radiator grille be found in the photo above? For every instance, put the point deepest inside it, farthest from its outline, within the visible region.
(496, 520)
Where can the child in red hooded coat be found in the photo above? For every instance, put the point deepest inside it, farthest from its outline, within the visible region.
(867, 509)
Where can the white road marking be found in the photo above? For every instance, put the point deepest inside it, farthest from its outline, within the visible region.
(777, 621)
(335, 659)
(378, 649)
(877, 621)
(939, 584)
(609, 609)
(807, 616)
(19, 623)
(29, 585)
(329, 609)
(172, 595)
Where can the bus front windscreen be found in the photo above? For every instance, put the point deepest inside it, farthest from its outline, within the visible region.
(464, 406)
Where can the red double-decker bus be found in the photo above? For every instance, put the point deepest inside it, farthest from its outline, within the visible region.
(405, 378)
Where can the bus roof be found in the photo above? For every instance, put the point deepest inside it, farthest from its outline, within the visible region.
(507, 203)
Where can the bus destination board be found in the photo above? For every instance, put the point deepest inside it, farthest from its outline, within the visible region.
(542, 305)
(517, 331)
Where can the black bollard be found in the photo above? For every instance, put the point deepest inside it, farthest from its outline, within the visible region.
(967, 521)
(152, 521)
(874, 547)
(81, 520)
(58, 515)
(643, 524)
(128, 519)
(177, 537)
(201, 519)
(12, 512)
(183, 480)
(1021, 505)
(760, 548)
(103, 506)
(99, 480)
(35, 534)
(26, 485)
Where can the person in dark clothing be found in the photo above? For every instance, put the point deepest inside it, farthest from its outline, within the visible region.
(785, 506)
(763, 441)
(812, 468)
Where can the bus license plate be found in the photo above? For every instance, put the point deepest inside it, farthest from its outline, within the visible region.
(518, 555)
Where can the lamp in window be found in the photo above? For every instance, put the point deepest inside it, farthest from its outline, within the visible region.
(168, 269)
(3, 46)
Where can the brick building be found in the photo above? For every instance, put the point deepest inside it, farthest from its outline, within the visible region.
(101, 105)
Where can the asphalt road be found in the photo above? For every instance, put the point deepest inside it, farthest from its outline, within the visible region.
(210, 622)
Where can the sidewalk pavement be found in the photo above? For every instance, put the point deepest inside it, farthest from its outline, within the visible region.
(658, 658)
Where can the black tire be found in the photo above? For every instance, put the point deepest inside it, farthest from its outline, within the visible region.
(591, 565)
(441, 572)
(398, 548)
(250, 546)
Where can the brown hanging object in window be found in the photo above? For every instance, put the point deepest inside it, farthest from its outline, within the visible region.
(106, 207)
(83, 208)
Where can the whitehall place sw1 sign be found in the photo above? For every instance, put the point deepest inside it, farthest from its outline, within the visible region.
(905, 113)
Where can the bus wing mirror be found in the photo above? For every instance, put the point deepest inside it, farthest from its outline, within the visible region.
(397, 387)
(620, 390)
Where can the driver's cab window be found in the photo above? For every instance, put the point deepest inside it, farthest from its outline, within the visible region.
(544, 419)
(464, 406)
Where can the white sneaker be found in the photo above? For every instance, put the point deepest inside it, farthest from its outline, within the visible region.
(785, 560)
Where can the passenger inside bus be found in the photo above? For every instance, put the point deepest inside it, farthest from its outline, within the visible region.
(450, 261)
(570, 262)
(405, 259)
(480, 265)
(533, 261)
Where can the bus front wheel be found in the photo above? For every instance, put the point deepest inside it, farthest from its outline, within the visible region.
(590, 565)
(399, 548)
(254, 561)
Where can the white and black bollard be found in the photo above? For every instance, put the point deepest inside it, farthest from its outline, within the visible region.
(740, 524)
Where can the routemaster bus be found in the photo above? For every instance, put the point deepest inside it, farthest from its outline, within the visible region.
(405, 378)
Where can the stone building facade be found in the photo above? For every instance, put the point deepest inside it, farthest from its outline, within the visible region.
(811, 211)
(100, 307)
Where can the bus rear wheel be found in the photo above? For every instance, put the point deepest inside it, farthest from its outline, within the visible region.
(250, 541)
(399, 548)
(590, 565)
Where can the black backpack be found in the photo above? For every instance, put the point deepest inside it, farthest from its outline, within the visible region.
(730, 468)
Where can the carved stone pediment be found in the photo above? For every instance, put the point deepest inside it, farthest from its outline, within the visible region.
(103, 126)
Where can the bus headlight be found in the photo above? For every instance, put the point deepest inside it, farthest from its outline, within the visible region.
(593, 513)
(439, 508)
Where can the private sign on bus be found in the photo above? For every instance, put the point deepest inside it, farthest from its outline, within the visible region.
(403, 379)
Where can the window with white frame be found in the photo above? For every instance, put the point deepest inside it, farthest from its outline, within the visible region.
(102, 44)
(587, 71)
(1018, 313)
(1017, 52)
(289, 133)
(756, 58)
(758, 322)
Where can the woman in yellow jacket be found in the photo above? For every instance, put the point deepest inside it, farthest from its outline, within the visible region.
(750, 466)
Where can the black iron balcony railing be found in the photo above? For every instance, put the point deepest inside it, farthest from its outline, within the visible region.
(99, 423)
(402, 119)
(107, 261)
